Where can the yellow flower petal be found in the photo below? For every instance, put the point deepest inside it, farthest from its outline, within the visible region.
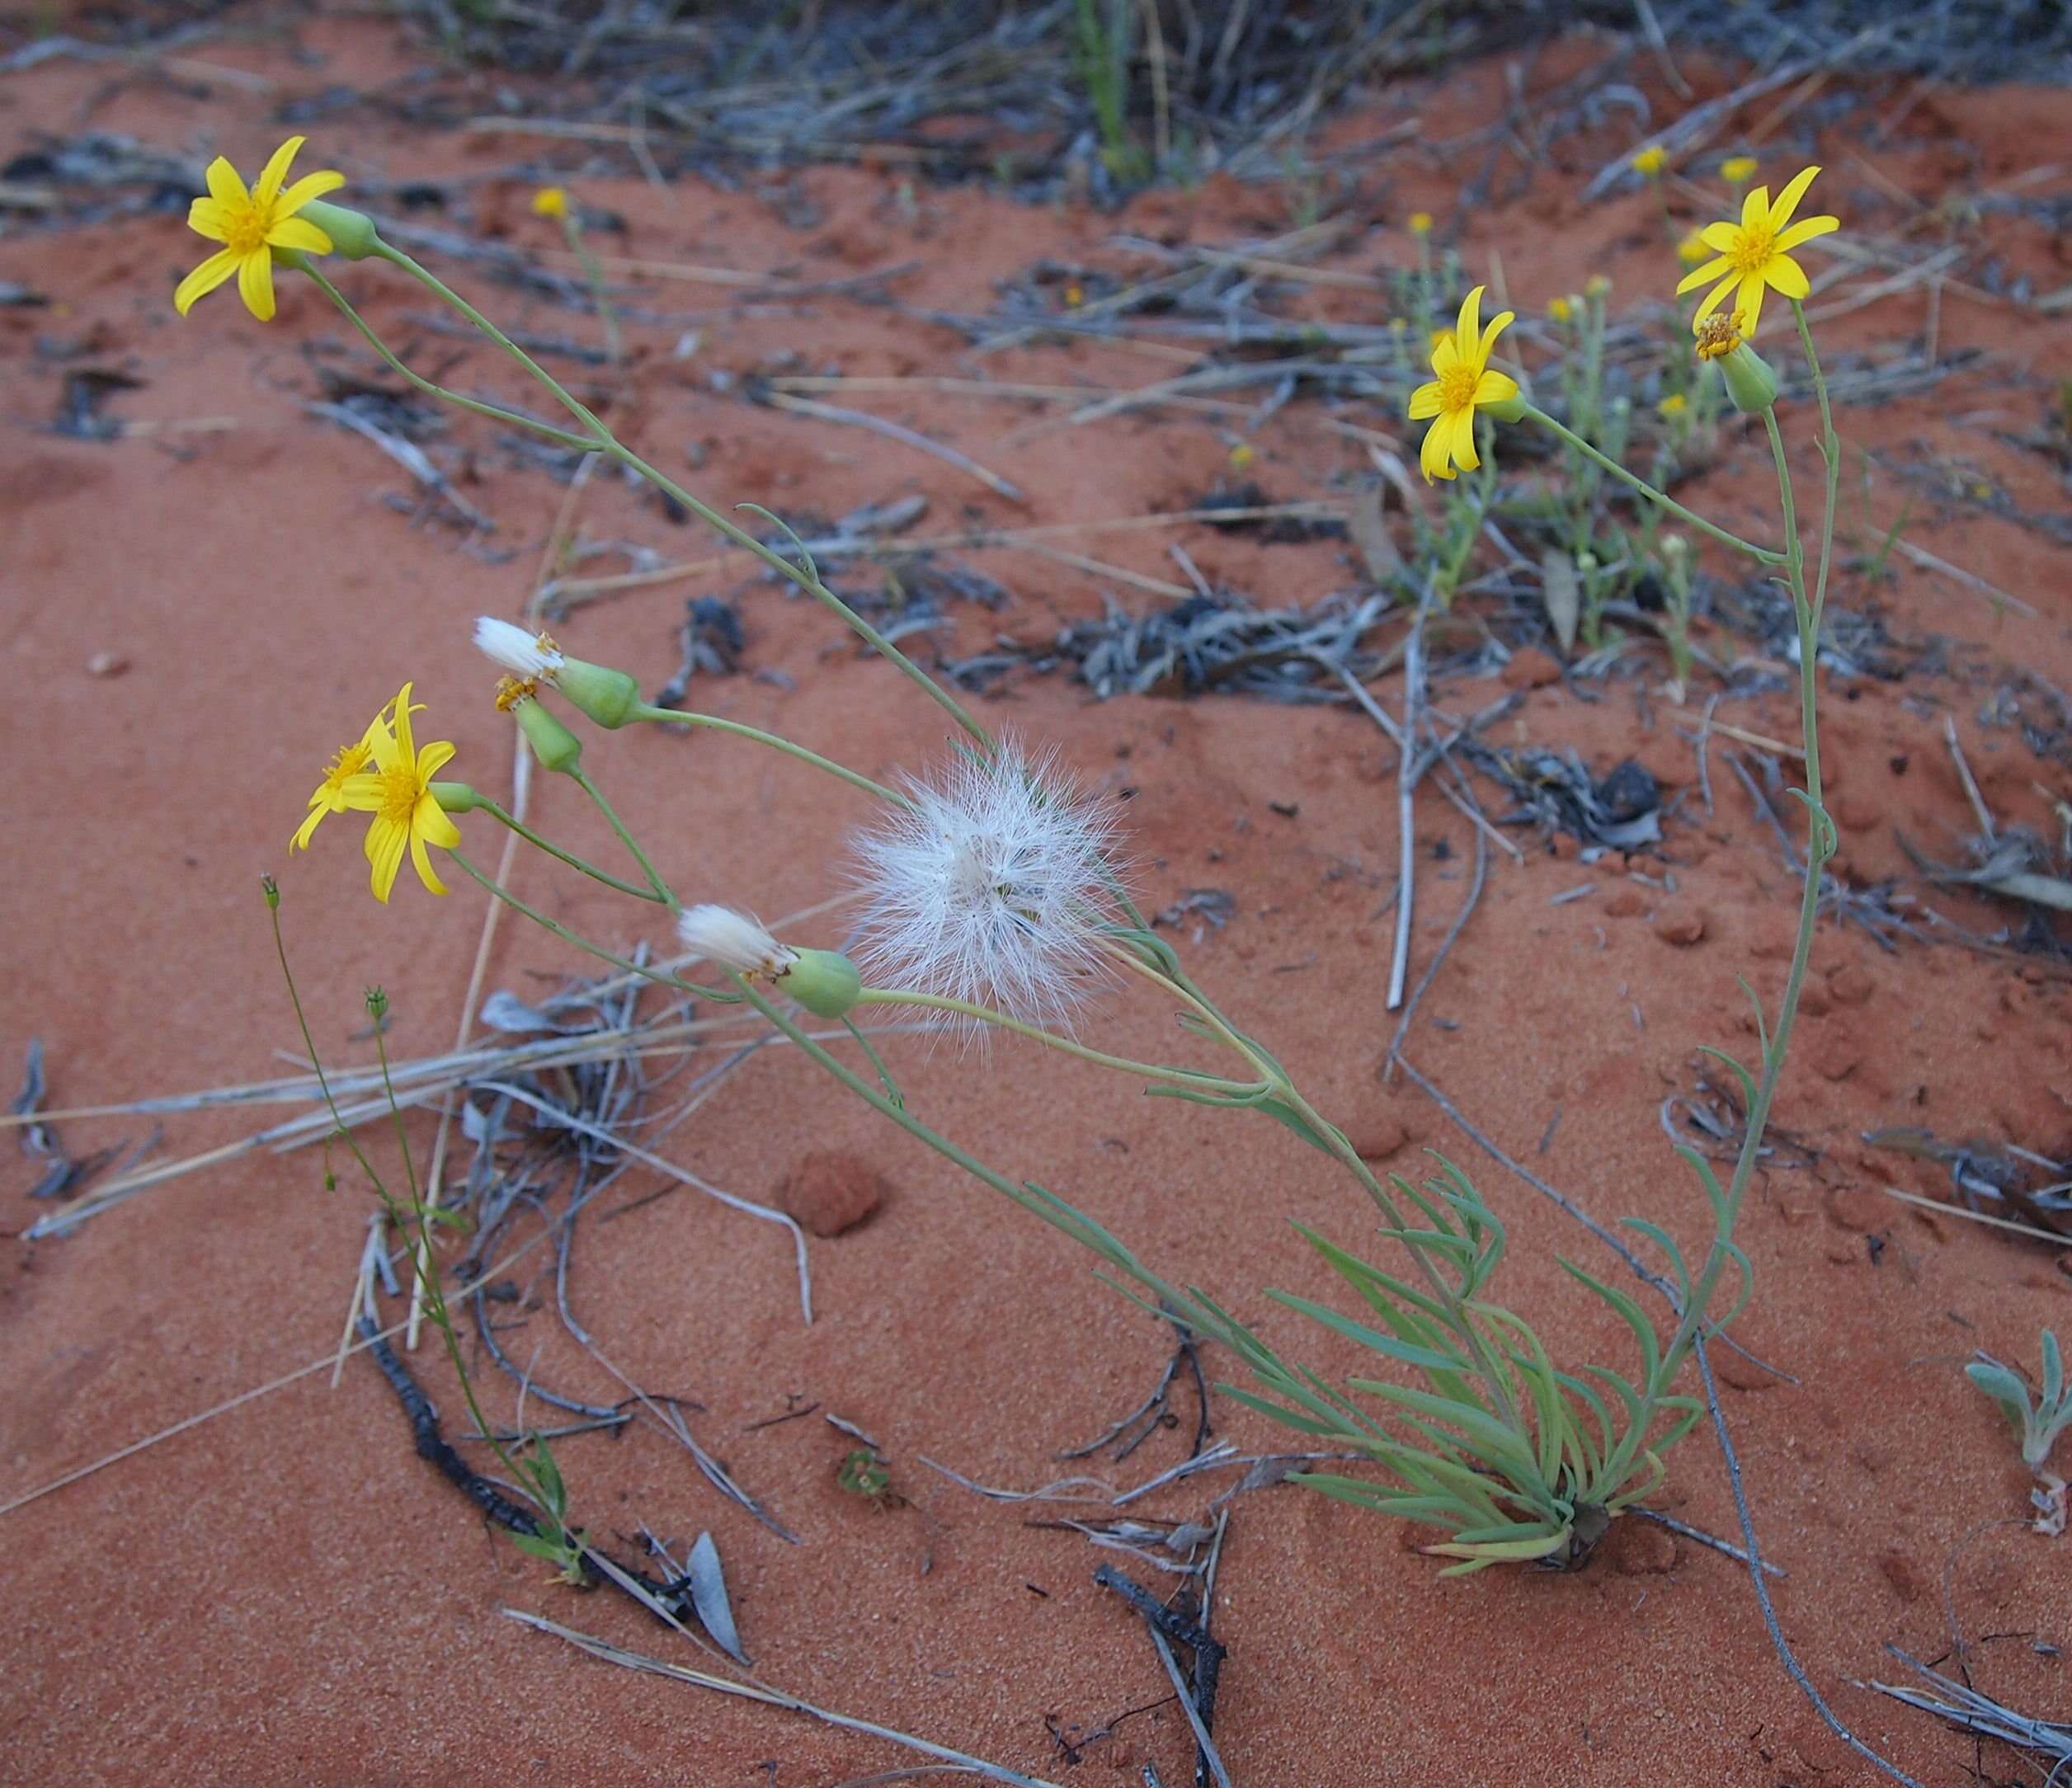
(1467, 329)
(1426, 402)
(1502, 320)
(255, 284)
(1446, 353)
(209, 217)
(1786, 276)
(1805, 230)
(1495, 388)
(1697, 276)
(1715, 296)
(1722, 238)
(406, 749)
(1431, 457)
(224, 186)
(1788, 201)
(204, 279)
(434, 758)
(1755, 208)
(359, 794)
(1461, 445)
(310, 186)
(434, 823)
(304, 832)
(419, 857)
(387, 839)
(1748, 306)
(267, 187)
(298, 232)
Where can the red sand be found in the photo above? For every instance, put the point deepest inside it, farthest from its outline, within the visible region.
(286, 1594)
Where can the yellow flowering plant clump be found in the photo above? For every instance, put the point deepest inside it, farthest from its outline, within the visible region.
(993, 903)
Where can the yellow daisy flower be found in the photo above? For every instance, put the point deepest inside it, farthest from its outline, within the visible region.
(1671, 406)
(251, 225)
(407, 816)
(1650, 161)
(347, 763)
(1737, 171)
(1754, 255)
(1464, 385)
(550, 201)
(1692, 250)
(1420, 222)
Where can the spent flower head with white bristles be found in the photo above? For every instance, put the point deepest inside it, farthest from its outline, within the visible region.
(732, 940)
(530, 656)
(995, 886)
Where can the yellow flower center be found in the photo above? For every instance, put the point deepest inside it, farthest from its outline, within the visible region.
(347, 760)
(512, 690)
(1753, 250)
(246, 232)
(399, 793)
(1457, 387)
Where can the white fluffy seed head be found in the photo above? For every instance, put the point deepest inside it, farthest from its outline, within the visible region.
(993, 887)
(531, 657)
(733, 940)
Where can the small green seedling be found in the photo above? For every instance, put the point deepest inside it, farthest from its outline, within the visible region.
(554, 1542)
(862, 1473)
(2037, 1425)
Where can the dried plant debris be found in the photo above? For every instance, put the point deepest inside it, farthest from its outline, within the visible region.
(1221, 644)
(1970, 1710)
(713, 643)
(2017, 865)
(60, 1172)
(1998, 1180)
(1555, 791)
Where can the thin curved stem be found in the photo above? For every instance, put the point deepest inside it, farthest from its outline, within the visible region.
(1690, 517)
(485, 805)
(806, 578)
(658, 976)
(777, 742)
(1187, 1077)
(1830, 452)
(662, 891)
(495, 413)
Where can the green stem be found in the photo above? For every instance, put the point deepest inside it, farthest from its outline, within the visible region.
(484, 804)
(605, 442)
(1765, 554)
(1187, 1077)
(884, 1074)
(495, 413)
(572, 228)
(662, 891)
(1830, 452)
(655, 975)
(1820, 846)
(776, 742)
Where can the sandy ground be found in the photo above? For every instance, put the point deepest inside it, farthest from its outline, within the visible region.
(285, 1594)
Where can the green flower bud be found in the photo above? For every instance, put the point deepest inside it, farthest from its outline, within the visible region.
(352, 233)
(555, 746)
(455, 797)
(1750, 382)
(824, 982)
(611, 698)
(1509, 410)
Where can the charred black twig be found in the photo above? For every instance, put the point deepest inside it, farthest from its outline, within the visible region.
(1154, 1411)
(1209, 1652)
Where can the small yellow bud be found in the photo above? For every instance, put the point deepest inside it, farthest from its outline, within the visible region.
(1421, 223)
(1750, 381)
(550, 201)
(1650, 161)
(1596, 286)
(1561, 309)
(1075, 296)
(824, 982)
(1672, 406)
(1241, 456)
(352, 233)
(1692, 250)
(1738, 170)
